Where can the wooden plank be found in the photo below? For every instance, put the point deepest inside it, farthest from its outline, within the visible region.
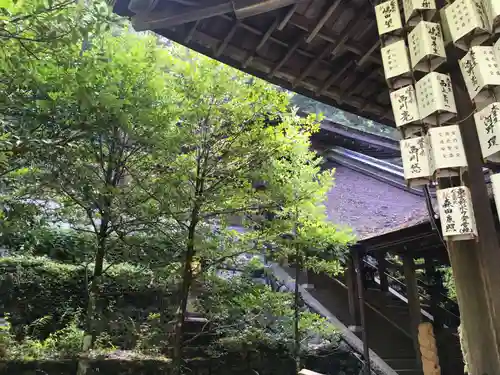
(285, 58)
(413, 300)
(287, 17)
(169, 18)
(312, 64)
(382, 269)
(227, 39)
(322, 21)
(262, 41)
(352, 293)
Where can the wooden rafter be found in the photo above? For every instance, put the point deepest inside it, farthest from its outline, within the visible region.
(227, 39)
(262, 41)
(326, 51)
(287, 17)
(285, 58)
(323, 20)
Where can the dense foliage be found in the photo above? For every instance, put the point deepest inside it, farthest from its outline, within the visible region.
(131, 171)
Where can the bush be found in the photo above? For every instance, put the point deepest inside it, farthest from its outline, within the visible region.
(43, 296)
(74, 247)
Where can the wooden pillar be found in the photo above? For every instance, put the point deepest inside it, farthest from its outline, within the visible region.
(382, 269)
(476, 265)
(413, 300)
(352, 292)
(435, 285)
(362, 308)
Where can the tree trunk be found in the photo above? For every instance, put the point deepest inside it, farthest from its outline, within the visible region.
(187, 278)
(296, 309)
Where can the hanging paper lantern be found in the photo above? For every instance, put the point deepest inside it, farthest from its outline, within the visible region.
(415, 9)
(496, 50)
(396, 64)
(388, 18)
(492, 8)
(445, 28)
(426, 46)
(481, 72)
(447, 151)
(416, 164)
(436, 103)
(488, 131)
(456, 213)
(468, 23)
(404, 106)
(495, 186)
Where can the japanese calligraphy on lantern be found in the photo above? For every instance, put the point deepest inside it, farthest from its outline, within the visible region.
(488, 131)
(436, 103)
(492, 8)
(496, 50)
(468, 23)
(481, 71)
(426, 46)
(412, 8)
(388, 17)
(447, 150)
(395, 60)
(415, 155)
(456, 213)
(404, 106)
(495, 186)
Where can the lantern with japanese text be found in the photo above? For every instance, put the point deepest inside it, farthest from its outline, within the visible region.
(436, 103)
(488, 131)
(388, 18)
(492, 8)
(396, 64)
(414, 9)
(495, 187)
(405, 109)
(416, 165)
(456, 213)
(447, 151)
(426, 46)
(481, 71)
(496, 50)
(468, 23)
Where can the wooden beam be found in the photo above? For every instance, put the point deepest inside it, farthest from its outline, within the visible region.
(413, 301)
(169, 18)
(262, 41)
(333, 77)
(190, 34)
(322, 21)
(352, 293)
(227, 39)
(326, 51)
(366, 56)
(287, 17)
(285, 58)
(362, 310)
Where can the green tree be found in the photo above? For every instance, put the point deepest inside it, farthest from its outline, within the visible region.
(233, 131)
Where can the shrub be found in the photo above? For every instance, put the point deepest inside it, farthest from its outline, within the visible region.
(33, 288)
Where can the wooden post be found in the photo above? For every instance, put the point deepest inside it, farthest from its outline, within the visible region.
(361, 300)
(436, 284)
(352, 293)
(476, 265)
(413, 300)
(382, 269)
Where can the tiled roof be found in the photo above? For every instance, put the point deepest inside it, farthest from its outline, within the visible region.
(371, 207)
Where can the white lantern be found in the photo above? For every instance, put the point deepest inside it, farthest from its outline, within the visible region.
(488, 131)
(447, 151)
(396, 64)
(436, 103)
(426, 46)
(456, 213)
(496, 49)
(413, 8)
(404, 106)
(495, 186)
(481, 72)
(388, 17)
(493, 12)
(468, 23)
(416, 165)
